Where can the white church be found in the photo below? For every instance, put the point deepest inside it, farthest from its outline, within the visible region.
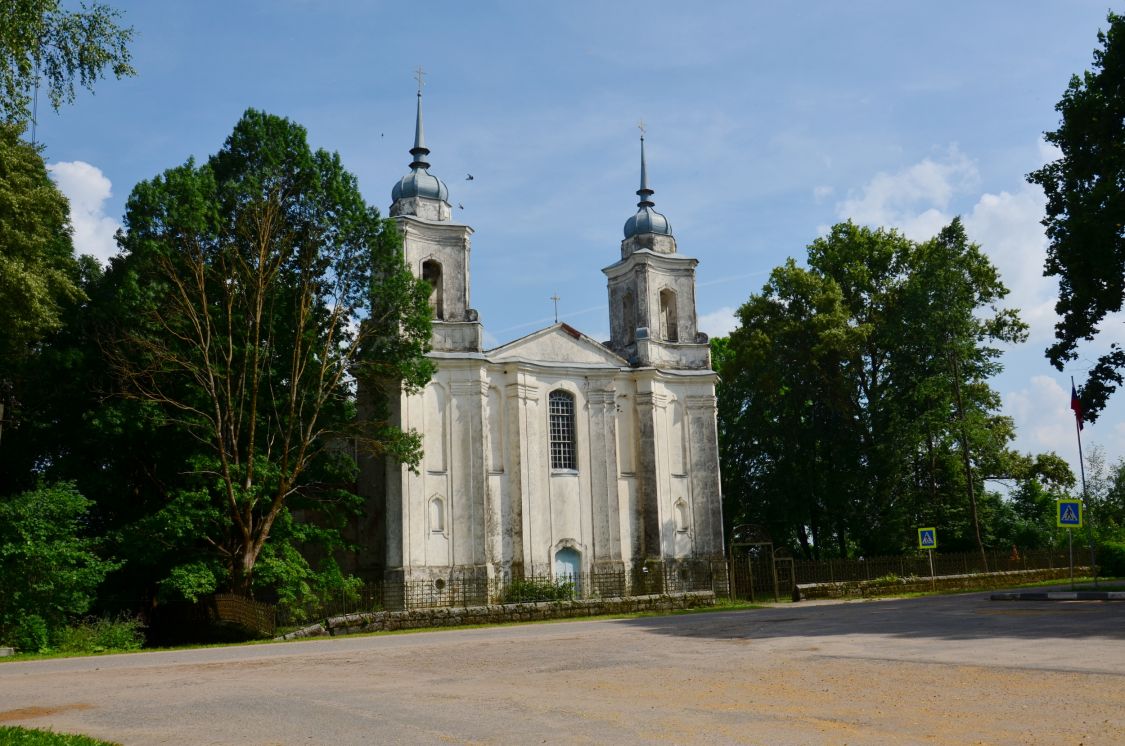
(553, 455)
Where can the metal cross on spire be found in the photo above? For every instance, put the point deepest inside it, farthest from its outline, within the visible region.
(556, 299)
(420, 76)
(641, 127)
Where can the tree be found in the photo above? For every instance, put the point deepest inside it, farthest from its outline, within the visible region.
(38, 272)
(854, 402)
(38, 38)
(49, 569)
(255, 291)
(1085, 191)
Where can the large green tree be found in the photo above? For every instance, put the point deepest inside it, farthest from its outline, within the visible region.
(1085, 218)
(254, 293)
(39, 275)
(42, 43)
(854, 402)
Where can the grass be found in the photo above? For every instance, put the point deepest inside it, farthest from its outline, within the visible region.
(17, 736)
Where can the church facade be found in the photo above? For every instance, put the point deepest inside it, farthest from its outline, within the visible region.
(552, 455)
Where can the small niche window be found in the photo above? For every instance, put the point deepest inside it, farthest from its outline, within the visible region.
(668, 318)
(431, 273)
(681, 516)
(561, 411)
(629, 317)
(437, 515)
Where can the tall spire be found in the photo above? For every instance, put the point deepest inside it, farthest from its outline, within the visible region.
(419, 151)
(647, 220)
(644, 192)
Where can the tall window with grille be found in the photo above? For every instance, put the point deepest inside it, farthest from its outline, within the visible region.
(561, 410)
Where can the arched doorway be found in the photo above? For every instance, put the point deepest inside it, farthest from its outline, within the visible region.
(568, 568)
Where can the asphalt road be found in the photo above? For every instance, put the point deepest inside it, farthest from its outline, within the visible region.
(949, 669)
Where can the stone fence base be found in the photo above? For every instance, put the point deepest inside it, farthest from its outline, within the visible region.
(380, 621)
(983, 581)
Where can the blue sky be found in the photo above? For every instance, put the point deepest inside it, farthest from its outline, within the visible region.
(767, 123)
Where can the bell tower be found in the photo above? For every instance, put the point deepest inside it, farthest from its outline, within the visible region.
(436, 248)
(652, 314)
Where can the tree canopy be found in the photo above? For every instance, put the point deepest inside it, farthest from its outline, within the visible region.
(40, 40)
(1085, 218)
(253, 293)
(854, 403)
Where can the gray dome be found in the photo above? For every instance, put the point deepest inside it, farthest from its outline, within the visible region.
(647, 220)
(420, 183)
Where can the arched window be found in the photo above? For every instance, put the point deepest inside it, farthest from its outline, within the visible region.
(561, 430)
(431, 273)
(437, 515)
(629, 317)
(668, 319)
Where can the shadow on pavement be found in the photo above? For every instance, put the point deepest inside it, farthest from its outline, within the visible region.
(962, 617)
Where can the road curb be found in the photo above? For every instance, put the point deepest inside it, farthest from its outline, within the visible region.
(1060, 596)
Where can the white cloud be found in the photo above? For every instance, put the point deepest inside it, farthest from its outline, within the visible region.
(1049, 152)
(914, 199)
(718, 323)
(87, 189)
(822, 192)
(1007, 227)
(1044, 422)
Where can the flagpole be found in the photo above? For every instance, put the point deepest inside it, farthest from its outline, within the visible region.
(1082, 471)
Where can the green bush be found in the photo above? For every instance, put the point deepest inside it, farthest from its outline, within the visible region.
(31, 634)
(527, 591)
(1111, 557)
(49, 566)
(101, 635)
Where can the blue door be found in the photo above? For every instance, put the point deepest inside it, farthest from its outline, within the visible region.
(568, 568)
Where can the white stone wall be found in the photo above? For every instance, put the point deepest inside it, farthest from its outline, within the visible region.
(487, 501)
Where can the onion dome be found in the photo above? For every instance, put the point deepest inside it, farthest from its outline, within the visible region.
(420, 182)
(647, 220)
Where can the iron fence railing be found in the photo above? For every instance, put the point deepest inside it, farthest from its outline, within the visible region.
(905, 566)
(741, 577)
(469, 590)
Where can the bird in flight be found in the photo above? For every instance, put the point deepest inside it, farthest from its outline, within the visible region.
(468, 177)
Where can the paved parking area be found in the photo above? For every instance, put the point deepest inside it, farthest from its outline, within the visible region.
(949, 669)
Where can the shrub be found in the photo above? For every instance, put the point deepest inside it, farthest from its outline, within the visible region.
(31, 635)
(101, 635)
(1111, 557)
(49, 567)
(527, 591)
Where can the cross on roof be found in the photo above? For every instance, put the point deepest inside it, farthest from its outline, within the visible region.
(556, 299)
(641, 127)
(420, 76)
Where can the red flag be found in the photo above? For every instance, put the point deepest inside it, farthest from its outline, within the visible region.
(1076, 405)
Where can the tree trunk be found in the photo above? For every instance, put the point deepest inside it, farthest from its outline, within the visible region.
(966, 461)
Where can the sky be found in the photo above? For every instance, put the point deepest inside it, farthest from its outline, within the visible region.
(766, 124)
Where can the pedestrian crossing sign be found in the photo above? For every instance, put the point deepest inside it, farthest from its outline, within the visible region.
(1069, 513)
(927, 538)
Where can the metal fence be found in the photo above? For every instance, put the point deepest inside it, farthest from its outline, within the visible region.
(750, 576)
(471, 590)
(905, 566)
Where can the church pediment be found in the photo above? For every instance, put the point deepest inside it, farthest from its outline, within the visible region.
(560, 343)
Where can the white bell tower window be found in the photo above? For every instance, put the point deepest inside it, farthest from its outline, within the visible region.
(669, 321)
(431, 273)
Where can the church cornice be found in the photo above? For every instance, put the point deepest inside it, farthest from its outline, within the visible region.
(668, 262)
(444, 226)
